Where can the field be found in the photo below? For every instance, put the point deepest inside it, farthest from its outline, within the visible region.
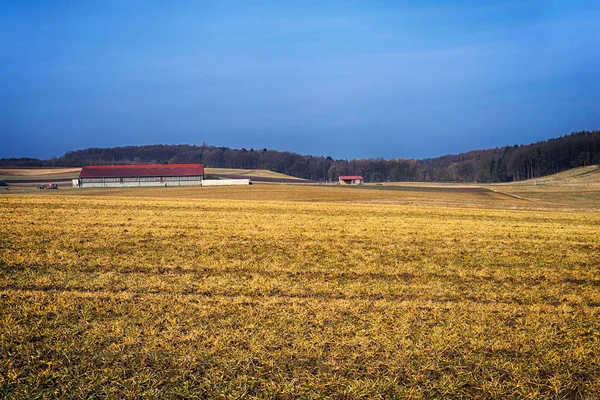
(583, 176)
(283, 291)
(7, 173)
(29, 177)
(250, 173)
(35, 176)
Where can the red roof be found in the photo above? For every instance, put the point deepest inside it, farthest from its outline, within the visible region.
(127, 171)
(354, 177)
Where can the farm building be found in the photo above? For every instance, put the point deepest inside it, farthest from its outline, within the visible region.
(351, 180)
(140, 175)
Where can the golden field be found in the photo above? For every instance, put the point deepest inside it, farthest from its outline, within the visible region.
(277, 291)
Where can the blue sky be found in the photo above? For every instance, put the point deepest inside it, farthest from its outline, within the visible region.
(350, 79)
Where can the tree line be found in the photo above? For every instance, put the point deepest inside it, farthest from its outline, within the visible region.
(502, 164)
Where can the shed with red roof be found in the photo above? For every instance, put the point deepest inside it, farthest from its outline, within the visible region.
(140, 175)
(351, 180)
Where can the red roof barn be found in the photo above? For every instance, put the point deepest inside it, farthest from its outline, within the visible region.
(352, 180)
(140, 175)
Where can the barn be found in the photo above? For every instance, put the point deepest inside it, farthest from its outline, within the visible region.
(351, 180)
(140, 175)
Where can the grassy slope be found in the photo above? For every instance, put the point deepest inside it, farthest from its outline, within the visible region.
(49, 174)
(576, 188)
(24, 172)
(263, 173)
(589, 175)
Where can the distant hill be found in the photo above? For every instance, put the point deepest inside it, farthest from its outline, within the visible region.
(502, 164)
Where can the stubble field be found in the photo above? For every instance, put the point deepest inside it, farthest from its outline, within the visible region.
(299, 292)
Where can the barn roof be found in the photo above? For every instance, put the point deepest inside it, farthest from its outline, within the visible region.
(351, 177)
(126, 171)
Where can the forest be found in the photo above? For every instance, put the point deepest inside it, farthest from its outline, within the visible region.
(501, 164)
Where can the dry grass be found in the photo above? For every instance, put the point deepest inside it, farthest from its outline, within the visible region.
(28, 172)
(37, 174)
(578, 188)
(262, 173)
(316, 193)
(297, 292)
(582, 176)
(494, 197)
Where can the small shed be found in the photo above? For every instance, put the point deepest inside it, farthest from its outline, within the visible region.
(352, 180)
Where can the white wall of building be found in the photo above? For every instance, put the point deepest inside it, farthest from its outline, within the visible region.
(152, 181)
(225, 182)
(141, 182)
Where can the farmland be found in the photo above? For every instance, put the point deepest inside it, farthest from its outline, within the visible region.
(284, 291)
(28, 177)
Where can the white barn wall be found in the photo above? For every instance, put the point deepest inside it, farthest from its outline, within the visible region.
(226, 182)
(156, 182)
(134, 182)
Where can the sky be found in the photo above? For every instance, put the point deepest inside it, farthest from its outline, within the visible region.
(347, 79)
